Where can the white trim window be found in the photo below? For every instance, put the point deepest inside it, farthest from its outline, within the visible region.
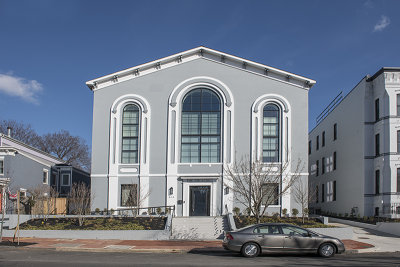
(329, 191)
(45, 176)
(129, 195)
(271, 194)
(1, 166)
(65, 179)
(130, 134)
(201, 127)
(271, 129)
(271, 133)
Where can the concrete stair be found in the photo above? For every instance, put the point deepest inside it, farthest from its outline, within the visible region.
(199, 228)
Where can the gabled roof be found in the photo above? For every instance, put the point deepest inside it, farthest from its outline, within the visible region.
(206, 53)
(8, 142)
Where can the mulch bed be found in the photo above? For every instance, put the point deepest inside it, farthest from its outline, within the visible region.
(106, 223)
(243, 221)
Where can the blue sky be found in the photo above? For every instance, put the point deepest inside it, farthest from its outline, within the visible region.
(49, 49)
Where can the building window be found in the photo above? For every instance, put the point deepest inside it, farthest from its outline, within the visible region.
(129, 195)
(398, 180)
(271, 133)
(323, 166)
(323, 138)
(271, 194)
(45, 176)
(334, 190)
(377, 145)
(329, 191)
(201, 127)
(1, 166)
(398, 105)
(317, 169)
(377, 109)
(334, 160)
(317, 143)
(130, 134)
(377, 182)
(309, 147)
(398, 141)
(335, 131)
(65, 180)
(317, 194)
(323, 193)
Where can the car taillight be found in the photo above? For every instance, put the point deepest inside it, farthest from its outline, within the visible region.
(229, 236)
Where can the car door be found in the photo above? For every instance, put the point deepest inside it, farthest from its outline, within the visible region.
(297, 239)
(269, 237)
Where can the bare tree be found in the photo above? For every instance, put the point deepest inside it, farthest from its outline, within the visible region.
(257, 185)
(303, 194)
(79, 201)
(20, 131)
(72, 149)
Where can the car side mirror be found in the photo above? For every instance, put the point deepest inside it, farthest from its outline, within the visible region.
(291, 234)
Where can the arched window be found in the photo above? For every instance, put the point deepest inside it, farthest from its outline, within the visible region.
(271, 126)
(201, 127)
(130, 134)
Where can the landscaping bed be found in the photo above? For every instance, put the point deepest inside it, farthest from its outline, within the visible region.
(242, 221)
(370, 220)
(96, 223)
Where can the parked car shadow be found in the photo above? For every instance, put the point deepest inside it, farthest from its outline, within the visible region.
(212, 251)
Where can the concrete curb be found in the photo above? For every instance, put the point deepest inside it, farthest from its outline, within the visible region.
(150, 250)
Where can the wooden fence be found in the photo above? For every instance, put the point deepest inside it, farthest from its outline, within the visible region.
(54, 206)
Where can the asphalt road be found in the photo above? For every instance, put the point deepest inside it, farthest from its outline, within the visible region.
(45, 257)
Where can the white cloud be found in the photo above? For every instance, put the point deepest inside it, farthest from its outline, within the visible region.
(382, 24)
(28, 90)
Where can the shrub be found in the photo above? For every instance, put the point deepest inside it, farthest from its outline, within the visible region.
(248, 212)
(158, 210)
(236, 211)
(306, 211)
(295, 212)
(284, 211)
(97, 210)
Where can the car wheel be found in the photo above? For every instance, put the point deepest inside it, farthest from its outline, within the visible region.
(326, 250)
(250, 250)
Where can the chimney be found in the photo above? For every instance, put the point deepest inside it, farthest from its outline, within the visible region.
(9, 131)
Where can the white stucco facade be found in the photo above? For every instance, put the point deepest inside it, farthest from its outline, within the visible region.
(360, 175)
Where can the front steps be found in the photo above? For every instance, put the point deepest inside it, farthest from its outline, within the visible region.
(199, 228)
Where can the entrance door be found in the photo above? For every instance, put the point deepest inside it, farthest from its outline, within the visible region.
(199, 201)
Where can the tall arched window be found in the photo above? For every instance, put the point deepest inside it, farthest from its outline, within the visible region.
(271, 126)
(201, 127)
(130, 134)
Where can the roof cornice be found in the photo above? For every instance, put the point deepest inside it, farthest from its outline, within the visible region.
(382, 70)
(195, 53)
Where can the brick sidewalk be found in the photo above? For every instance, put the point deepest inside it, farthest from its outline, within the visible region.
(136, 245)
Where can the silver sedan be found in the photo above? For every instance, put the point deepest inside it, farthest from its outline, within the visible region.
(274, 237)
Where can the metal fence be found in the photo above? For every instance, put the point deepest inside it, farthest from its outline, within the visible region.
(392, 210)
